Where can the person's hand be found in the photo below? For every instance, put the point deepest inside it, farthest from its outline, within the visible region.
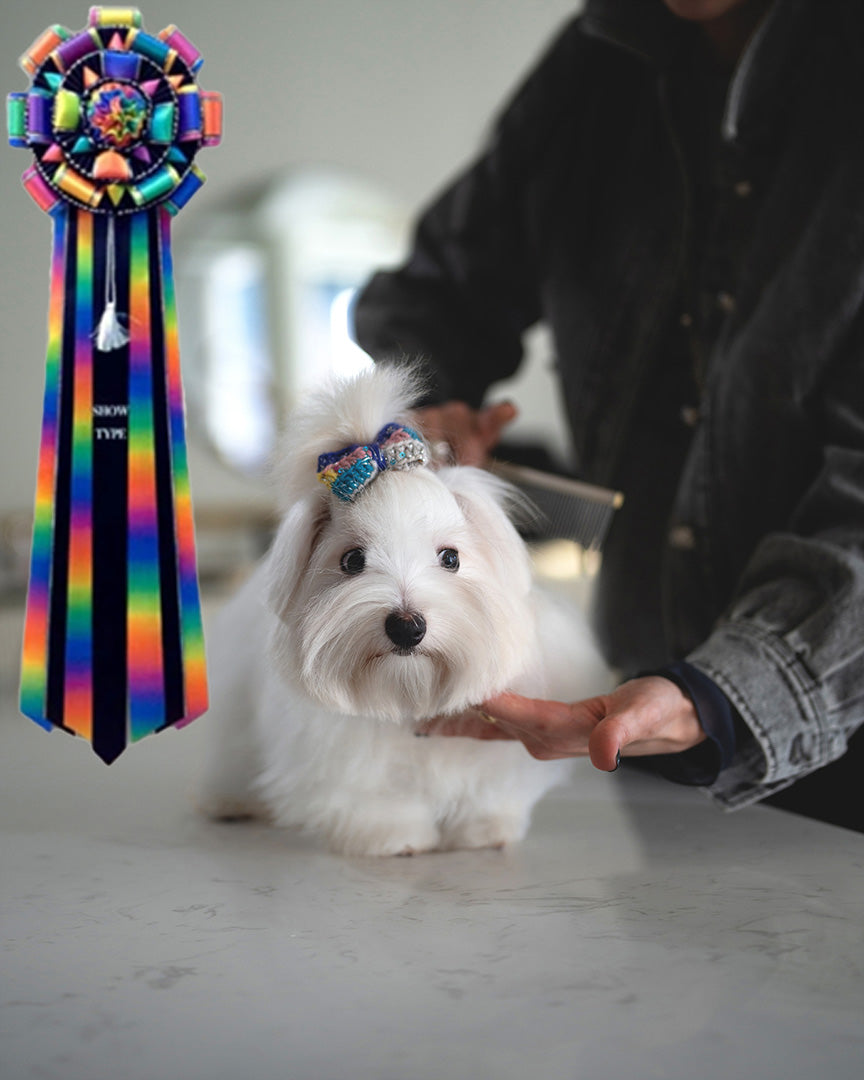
(470, 433)
(649, 715)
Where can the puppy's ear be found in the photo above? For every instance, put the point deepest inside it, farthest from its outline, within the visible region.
(490, 504)
(296, 540)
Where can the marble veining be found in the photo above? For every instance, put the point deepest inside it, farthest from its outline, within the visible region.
(637, 932)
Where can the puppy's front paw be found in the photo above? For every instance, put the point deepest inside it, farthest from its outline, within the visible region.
(400, 830)
(492, 830)
(223, 807)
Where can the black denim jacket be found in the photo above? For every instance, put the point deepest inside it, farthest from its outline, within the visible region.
(579, 213)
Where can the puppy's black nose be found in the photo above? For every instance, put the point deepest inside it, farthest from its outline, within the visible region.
(406, 629)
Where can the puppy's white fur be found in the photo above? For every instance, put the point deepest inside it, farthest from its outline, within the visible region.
(314, 708)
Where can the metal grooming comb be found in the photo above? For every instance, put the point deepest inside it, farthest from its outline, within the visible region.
(568, 509)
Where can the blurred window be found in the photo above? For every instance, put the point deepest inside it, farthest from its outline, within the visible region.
(268, 284)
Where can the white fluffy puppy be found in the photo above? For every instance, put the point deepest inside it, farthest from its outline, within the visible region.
(393, 593)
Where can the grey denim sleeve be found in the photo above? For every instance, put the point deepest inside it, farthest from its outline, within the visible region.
(789, 652)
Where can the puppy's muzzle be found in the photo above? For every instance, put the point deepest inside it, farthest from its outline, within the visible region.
(406, 629)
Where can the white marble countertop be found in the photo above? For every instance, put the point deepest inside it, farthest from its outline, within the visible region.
(638, 932)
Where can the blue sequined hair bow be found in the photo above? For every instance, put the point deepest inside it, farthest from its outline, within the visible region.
(349, 471)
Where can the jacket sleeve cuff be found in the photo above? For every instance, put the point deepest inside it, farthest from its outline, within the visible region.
(701, 765)
(765, 681)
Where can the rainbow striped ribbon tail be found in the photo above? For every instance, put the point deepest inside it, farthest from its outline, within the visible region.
(113, 640)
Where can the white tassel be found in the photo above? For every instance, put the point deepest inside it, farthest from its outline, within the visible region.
(110, 334)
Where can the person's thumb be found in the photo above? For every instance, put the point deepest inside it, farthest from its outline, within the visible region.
(494, 418)
(606, 743)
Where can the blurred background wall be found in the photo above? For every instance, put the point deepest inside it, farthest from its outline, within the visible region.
(396, 94)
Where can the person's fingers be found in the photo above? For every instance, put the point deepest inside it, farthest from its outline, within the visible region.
(429, 419)
(530, 714)
(549, 729)
(455, 424)
(472, 724)
(443, 422)
(471, 434)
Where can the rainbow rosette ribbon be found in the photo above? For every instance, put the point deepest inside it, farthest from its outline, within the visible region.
(113, 641)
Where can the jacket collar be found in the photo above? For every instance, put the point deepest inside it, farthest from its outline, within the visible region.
(643, 27)
(648, 29)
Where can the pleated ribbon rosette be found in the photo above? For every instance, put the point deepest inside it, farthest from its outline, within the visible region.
(113, 642)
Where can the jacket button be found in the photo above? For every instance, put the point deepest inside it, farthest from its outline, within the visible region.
(690, 415)
(726, 302)
(682, 538)
(685, 320)
(743, 189)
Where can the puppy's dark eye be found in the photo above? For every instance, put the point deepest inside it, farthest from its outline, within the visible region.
(449, 558)
(353, 561)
